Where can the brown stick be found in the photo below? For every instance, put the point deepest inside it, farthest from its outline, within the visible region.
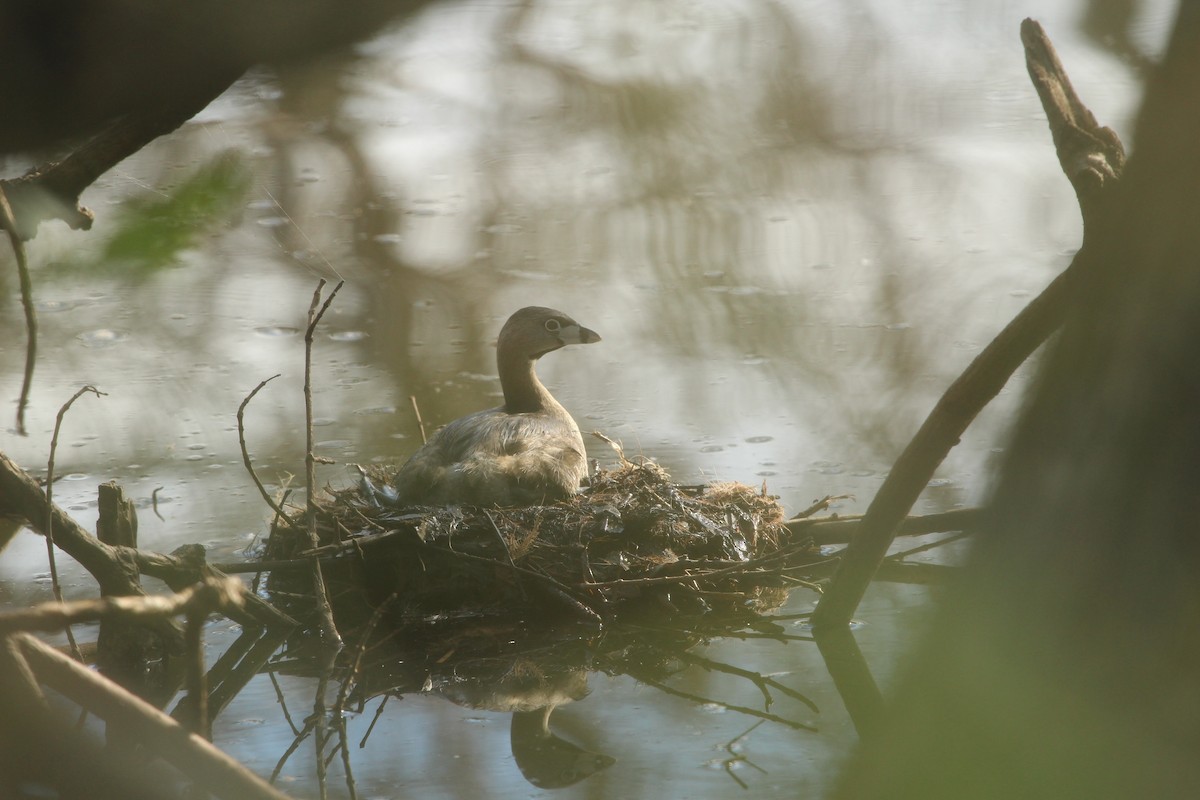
(241, 412)
(329, 632)
(211, 594)
(845, 529)
(329, 629)
(21, 496)
(197, 685)
(412, 398)
(8, 221)
(54, 584)
(1091, 155)
(179, 572)
(1092, 158)
(209, 767)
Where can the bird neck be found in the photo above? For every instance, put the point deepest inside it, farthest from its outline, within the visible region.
(523, 392)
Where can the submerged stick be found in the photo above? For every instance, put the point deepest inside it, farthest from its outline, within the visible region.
(1092, 157)
(197, 682)
(339, 706)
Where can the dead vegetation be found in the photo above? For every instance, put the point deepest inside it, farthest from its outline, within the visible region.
(632, 541)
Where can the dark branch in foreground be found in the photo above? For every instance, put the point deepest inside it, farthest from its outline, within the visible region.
(52, 191)
(1092, 158)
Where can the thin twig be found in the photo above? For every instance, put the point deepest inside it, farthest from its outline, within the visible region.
(309, 724)
(8, 222)
(378, 713)
(246, 453)
(319, 716)
(420, 422)
(843, 529)
(154, 503)
(339, 707)
(752, 565)
(329, 631)
(736, 757)
(954, 537)
(234, 568)
(279, 696)
(763, 682)
(821, 505)
(752, 712)
(54, 584)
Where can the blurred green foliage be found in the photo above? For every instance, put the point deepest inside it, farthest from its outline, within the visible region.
(151, 233)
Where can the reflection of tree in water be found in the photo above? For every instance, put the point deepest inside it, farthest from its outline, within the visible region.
(716, 154)
(776, 229)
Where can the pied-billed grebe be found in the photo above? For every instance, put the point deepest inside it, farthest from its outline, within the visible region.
(525, 452)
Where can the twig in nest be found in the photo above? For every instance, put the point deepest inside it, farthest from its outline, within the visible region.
(843, 529)
(751, 565)
(412, 398)
(615, 445)
(821, 505)
(241, 422)
(553, 587)
(507, 551)
(8, 221)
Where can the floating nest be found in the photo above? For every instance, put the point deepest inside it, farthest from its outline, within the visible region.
(631, 543)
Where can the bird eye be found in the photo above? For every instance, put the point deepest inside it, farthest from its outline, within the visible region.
(553, 325)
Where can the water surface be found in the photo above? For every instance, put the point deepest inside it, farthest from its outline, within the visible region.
(792, 223)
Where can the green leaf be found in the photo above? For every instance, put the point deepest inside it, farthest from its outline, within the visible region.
(151, 233)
